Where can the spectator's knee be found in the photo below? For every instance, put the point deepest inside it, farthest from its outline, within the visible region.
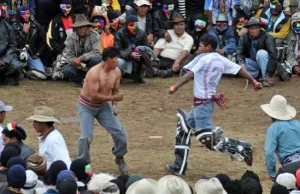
(262, 53)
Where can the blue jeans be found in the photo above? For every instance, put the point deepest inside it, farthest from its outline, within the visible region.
(258, 66)
(77, 75)
(35, 64)
(200, 116)
(105, 118)
(125, 66)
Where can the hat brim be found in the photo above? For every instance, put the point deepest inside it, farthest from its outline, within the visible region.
(253, 24)
(143, 3)
(8, 108)
(288, 115)
(132, 189)
(43, 119)
(77, 25)
(162, 185)
(200, 185)
(178, 21)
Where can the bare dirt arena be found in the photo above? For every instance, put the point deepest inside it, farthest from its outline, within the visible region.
(148, 110)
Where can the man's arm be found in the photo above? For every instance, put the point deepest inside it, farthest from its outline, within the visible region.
(176, 64)
(270, 147)
(156, 51)
(185, 79)
(117, 86)
(244, 73)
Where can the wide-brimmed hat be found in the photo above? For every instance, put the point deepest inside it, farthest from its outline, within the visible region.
(178, 18)
(81, 21)
(43, 114)
(254, 21)
(172, 184)
(143, 186)
(4, 108)
(279, 109)
(142, 2)
(211, 186)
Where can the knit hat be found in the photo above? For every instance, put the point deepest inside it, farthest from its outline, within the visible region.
(250, 174)
(14, 145)
(167, 2)
(55, 168)
(8, 153)
(120, 185)
(80, 167)
(131, 19)
(279, 189)
(124, 178)
(16, 160)
(16, 176)
(67, 186)
(66, 2)
(250, 186)
(287, 179)
(22, 8)
(233, 187)
(31, 182)
(133, 178)
(37, 163)
(14, 130)
(65, 174)
(110, 188)
(211, 186)
(223, 178)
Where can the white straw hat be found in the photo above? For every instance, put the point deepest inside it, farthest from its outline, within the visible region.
(43, 114)
(143, 186)
(279, 109)
(171, 184)
(211, 186)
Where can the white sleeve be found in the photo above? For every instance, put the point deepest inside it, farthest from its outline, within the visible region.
(230, 67)
(195, 62)
(160, 44)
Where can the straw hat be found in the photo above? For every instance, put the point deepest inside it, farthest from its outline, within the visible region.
(43, 114)
(254, 21)
(279, 109)
(211, 186)
(171, 184)
(143, 186)
(81, 21)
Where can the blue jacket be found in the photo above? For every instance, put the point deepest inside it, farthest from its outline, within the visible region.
(12, 7)
(51, 191)
(283, 140)
(229, 44)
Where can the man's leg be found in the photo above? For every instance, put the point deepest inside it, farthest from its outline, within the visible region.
(86, 119)
(35, 64)
(111, 123)
(252, 67)
(72, 73)
(262, 58)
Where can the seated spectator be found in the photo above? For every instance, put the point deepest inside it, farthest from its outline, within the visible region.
(223, 178)
(165, 185)
(162, 20)
(275, 21)
(15, 133)
(16, 178)
(82, 51)
(279, 189)
(175, 54)
(65, 183)
(82, 170)
(13, 6)
(127, 39)
(207, 186)
(16, 160)
(245, 9)
(148, 186)
(99, 19)
(31, 183)
(3, 109)
(250, 174)
(30, 35)
(60, 28)
(233, 187)
(225, 36)
(284, 125)
(251, 186)
(288, 180)
(199, 29)
(10, 66)
(257, 51)
(51, 143)
(240, 29)
(38, 164)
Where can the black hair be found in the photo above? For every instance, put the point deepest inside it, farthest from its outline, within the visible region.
(251, 186)
(110, 52)
(49, 124)
(208, 39)
(19, 133)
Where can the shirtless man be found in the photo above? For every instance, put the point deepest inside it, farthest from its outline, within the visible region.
(101, 86)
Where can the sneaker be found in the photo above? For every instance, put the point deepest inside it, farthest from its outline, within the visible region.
(122, 165)
(184, 123)
(248, 156)
(170, 169)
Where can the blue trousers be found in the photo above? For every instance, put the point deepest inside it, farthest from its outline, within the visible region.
(258, 66)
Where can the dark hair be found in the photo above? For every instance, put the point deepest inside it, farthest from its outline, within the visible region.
(250, 174)
(208, 39)
(18, 132)
(110, 52)
(251, 186)
(233, 187)
(50, 124)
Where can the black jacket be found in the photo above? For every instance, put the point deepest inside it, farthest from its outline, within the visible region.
(263, 41)
(149, 29)
(56, 35)
(122, 42)
(161, 23)
(35, 38)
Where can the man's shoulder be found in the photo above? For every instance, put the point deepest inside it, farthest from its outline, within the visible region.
(55, 135)
(94, 34)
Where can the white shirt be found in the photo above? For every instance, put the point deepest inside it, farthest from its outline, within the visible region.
(142, 23)
(173, 49)
(54, 148)
(208, 69)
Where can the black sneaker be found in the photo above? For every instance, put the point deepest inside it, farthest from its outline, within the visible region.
(122, 165)
(170, 169)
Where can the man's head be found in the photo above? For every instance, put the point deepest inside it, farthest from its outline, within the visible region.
(253, 26)
(23, 14)
(110, 56)
(178, 24)
(98, 23)
(142, 7)
(222, 22)
(3, 9)
(114, 21)
(167, 7)
(200, 24)
(241, 22)
(3, 110)
(276, 6)
(65, 7)
(295, 23)
(132, 24)
(208, 43)
(81, 25)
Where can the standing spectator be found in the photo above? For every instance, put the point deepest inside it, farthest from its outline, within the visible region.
(284, 125)
(16, 178)
(10, 66)
(257, 51)
(175, 54)
(51, 143)
(82, 51)
(3, 109)
(30, 35)
(15, 133)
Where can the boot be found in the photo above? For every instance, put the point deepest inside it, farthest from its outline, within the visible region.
(121, 164)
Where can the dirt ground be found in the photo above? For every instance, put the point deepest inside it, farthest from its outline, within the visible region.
(148, 110)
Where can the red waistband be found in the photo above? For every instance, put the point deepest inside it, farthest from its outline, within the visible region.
(88, 103)
(218, 98)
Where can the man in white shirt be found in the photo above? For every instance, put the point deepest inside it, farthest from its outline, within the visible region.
(51, 142)
(207, 70)
(3, 110)
(174, 54)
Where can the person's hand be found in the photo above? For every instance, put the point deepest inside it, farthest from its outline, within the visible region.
(296, 69)
(26, 27)
(272, 178)
(221, 51)
(150, 39)
(167, 36)
(118, 97)
(172, 89)
(256, 85)
(114, 109)
(135, 55)
(176, 66)
(77, 61)
(35, 56)
(243, 31)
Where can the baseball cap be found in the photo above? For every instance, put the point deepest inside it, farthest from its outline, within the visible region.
(4, 108)
(287, 179)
